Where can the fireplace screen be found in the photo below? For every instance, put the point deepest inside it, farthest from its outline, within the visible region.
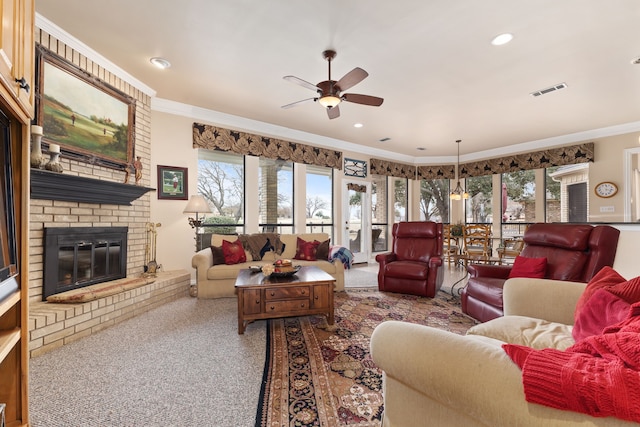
(82, 256)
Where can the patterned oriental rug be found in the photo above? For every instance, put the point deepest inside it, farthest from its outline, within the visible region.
(323, 376)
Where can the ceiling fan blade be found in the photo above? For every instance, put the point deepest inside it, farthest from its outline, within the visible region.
(362, 99)
(352, 78)
(303, 83)
(294, 104)
(333, 112)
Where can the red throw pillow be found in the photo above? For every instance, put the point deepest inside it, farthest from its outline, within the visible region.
(535, 268)
(605, 278)
(306, 250)
(233, 252)
(601, 310)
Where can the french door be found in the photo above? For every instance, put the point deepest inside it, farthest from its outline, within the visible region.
(356, 219)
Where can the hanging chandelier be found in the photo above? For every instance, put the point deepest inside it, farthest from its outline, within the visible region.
(458, 193)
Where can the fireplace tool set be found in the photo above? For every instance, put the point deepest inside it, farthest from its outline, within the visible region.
(151, 266)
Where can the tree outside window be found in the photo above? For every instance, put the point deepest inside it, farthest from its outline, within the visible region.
(221, 183)
(479, 209)
(434, 200)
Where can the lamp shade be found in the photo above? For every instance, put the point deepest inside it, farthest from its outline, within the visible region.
(197, 204)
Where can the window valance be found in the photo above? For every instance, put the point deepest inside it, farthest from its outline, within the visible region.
(437, 172)
(561, 156)
(216, 138)
(387, 168)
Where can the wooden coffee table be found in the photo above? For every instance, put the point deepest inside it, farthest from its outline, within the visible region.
(309, 291)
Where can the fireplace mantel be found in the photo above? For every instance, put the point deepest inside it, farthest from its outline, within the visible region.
(59, 186)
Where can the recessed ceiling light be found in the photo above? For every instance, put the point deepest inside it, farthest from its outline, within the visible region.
(385, 139)
(358, 125)
(160, 63)
(502, 39)
(636, 61)
(421, 148)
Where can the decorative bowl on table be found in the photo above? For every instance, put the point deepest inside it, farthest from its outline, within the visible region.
(286, 272)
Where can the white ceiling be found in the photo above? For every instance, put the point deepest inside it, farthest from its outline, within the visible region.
(431, 61)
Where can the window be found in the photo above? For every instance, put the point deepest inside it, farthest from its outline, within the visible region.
(478, 205)
(221, 182)
(518, 201)
(379, 215)
(319, 200)
(400, 198)
(566, 195)
(434, 200)
(275, 193)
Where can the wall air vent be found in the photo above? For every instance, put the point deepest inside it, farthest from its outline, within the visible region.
(549, 89)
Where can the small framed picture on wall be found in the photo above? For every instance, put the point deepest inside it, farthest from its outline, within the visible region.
(172, 183)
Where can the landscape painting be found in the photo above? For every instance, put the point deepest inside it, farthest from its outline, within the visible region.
(89, 119)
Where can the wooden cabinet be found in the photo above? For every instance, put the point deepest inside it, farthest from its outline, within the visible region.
(17, 55)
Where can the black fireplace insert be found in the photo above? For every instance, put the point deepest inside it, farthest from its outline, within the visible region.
(75, 257)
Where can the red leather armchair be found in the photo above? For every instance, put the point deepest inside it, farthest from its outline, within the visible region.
(414, 265)
(574, 252)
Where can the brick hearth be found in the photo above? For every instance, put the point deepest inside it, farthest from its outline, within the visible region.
(54, 325)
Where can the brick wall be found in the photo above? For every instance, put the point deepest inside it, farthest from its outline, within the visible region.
(50, 213)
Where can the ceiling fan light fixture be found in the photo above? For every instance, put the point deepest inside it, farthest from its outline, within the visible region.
(329, 101)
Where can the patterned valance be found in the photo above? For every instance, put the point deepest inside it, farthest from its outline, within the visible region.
(581, 153)
(215, 138)
(358, 188)
(437, 172)
(387, 168)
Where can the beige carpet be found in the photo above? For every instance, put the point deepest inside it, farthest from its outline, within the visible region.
(181, 364)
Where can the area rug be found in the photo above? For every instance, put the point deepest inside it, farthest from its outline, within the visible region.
(323, 376)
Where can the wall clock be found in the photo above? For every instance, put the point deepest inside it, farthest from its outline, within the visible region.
(606, 189)
(357, 168)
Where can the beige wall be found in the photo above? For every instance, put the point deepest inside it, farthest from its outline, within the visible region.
(172, 146)
(609, 166)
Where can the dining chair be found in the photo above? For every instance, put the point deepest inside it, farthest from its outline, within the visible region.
(477, 242)
(510, 249)
(451, 245)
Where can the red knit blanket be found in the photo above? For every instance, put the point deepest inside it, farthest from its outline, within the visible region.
(599, 375)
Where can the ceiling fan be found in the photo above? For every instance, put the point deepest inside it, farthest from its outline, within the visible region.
(330, 91)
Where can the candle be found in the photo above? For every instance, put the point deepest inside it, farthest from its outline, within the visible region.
(36, 130)
(54, 148)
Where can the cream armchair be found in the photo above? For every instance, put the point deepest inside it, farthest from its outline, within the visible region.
(437, 378)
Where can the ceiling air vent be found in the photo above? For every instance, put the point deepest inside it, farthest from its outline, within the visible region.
(549, 89)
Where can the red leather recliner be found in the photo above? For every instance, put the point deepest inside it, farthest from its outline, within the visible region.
(574, 252)
(414, 265)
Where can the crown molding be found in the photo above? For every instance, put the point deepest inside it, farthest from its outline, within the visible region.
(49, 27)
(240, 123)
(262, 128)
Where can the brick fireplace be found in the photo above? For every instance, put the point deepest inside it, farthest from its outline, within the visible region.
(91, 196)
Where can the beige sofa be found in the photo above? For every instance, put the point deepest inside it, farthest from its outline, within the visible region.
(218, 281)
(437, 378)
